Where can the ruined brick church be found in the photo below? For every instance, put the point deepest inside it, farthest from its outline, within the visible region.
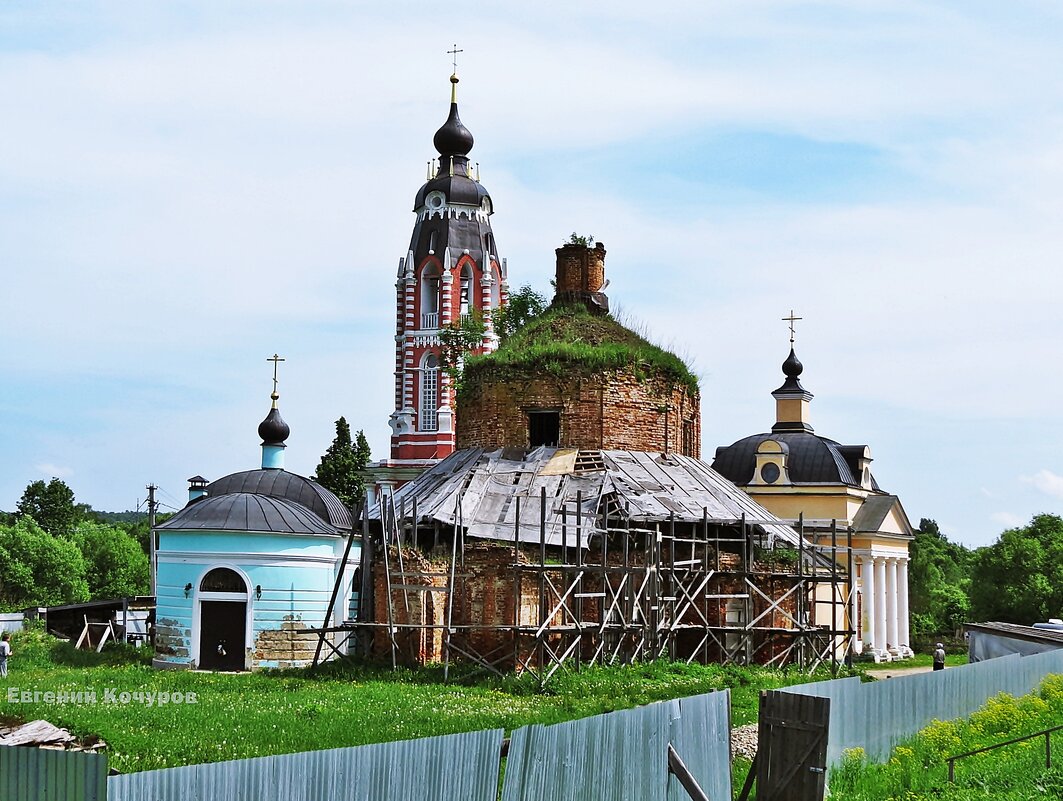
(551, 505)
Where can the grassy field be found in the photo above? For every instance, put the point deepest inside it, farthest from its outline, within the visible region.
(917, 768)
(255, 714)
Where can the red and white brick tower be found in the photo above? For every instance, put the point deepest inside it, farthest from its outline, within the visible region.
(452, 269)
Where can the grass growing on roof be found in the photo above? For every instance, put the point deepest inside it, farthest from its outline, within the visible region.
(343, 704)
(571, 339)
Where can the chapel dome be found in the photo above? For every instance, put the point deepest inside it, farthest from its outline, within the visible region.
(249, 511)
(810, 459)
(288, 486)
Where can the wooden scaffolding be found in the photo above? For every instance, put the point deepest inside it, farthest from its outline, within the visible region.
(624, 592)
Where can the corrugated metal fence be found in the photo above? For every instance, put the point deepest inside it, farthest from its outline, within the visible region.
(624, 755)
(31, 774)
(619, 755)
(453, 766)
(878, 715)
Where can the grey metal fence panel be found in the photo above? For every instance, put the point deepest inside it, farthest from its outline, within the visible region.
(624, 755)
(30, 774)
(876, 716)
(614, 756)
(702, 737)
(453, 766)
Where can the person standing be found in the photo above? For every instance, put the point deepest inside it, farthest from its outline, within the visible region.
(939, 657)
(5, 652)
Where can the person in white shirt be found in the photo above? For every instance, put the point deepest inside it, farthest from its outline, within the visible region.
(5, 652)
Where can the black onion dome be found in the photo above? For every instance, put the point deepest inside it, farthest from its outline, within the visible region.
(792, 367)
(453, 138)
(273, 429)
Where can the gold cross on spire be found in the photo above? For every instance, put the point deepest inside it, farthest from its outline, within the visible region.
(791, 319)
(454, 53)
(276, 360)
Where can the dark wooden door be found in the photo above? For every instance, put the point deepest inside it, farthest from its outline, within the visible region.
(221, 635)
(792, 747)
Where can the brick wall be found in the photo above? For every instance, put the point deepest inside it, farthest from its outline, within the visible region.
(609, 411)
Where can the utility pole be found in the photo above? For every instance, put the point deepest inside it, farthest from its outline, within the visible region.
(153, 507)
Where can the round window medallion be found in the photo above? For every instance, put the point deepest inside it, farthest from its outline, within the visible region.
(770, 473)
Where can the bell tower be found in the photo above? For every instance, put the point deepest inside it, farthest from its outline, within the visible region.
(451, 275)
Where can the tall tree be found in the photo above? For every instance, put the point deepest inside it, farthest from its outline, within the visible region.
(341, 467)
(1019, 578)
(115, 564)
(939, 580)
(51, 505)
(38, 569)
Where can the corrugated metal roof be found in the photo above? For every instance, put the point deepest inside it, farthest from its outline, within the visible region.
(647, 487)
(453, 766)
(245, 511)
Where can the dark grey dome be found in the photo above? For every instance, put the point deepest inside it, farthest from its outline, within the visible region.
(289, 486)
(247, 511)
(453, 138)
(457, 188)
(811, 459)
(273, 429)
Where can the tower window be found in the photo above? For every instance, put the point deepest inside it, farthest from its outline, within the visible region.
(466, 290)
(428, 416)
(544, 428)
(430, 283)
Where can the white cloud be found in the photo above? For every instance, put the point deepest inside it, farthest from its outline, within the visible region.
(1008, 520)
(1047, 482)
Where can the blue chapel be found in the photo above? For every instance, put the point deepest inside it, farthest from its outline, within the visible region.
(247, 568)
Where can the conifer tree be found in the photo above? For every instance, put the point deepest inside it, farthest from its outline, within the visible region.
(341, 466)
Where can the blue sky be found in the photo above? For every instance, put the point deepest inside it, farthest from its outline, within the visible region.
(187, 188)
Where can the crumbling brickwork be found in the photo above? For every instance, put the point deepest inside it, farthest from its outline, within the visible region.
(615, 410)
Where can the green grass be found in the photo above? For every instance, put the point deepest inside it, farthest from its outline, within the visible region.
(917, 768)
(256, 714)
(927, 660)
(571, 340)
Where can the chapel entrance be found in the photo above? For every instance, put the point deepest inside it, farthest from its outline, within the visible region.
(222, 620)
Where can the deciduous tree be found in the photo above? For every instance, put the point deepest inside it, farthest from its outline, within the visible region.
(116, 565)
(939, 580)
(1019, 578)
(51, 505)
(39, 569)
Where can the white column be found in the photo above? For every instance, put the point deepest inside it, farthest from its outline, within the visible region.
(891, 604)
(902, 606)
(880, 605)
(854, 609)
(867, 576)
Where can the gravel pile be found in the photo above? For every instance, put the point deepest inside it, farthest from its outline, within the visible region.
(744, 741)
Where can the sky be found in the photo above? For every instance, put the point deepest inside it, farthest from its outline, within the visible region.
(187, 188)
